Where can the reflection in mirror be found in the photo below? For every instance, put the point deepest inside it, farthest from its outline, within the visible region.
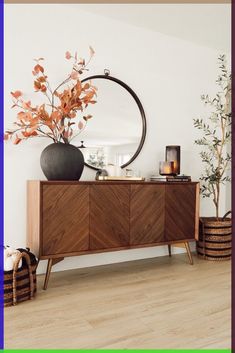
(114, 133)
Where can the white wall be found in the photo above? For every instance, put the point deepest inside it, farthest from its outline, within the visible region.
(168, 75)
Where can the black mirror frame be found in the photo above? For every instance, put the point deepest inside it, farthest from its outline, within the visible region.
(141, 109)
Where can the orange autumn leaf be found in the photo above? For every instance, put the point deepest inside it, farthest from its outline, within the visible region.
(26, 105)
(72, 115)
(78, 88)
(43, 88)
(68, 55)
(20, 115)
(38, 68)
(37, 85)
(66, 134)
(17, 140)
(80, 125)
(42, 78)
(16, 94)
(88, 117)
(25, 116)
(88, 98)
(56, 116)
(74, 75)
(43, 115)
(25, 134)
(29, 133)
(86, 86)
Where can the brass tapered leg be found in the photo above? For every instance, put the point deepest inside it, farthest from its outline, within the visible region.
(169, 249)
(50, 263)
(189, 253)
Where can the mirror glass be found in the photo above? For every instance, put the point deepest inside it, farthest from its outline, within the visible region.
(113, 134)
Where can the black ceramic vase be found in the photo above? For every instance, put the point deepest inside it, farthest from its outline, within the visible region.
(60, 161)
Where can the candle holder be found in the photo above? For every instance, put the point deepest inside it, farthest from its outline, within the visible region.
(166, 168)
(173, 155)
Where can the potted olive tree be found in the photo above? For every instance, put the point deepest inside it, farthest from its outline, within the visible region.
(215, 232)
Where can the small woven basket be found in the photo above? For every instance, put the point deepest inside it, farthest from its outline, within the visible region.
(20, 284)
(215, 238)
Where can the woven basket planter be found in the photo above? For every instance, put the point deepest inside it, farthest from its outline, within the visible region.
(215, 238)
(20, 283)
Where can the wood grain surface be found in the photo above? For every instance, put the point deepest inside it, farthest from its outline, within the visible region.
(147, 214)
(73, 218)
(34, 217)
(160, 303)
(109, 216)
(180, 212)
(65, 213)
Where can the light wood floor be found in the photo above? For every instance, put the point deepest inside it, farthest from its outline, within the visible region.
(156, 303)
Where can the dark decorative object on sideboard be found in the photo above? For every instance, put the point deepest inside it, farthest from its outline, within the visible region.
(60, 161)
(101, 172)
(166, 168)
(173, 155)
(82, 145)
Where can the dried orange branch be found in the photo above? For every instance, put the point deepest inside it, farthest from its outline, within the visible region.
(72, 101)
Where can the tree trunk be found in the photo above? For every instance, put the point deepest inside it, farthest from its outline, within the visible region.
(217, 201)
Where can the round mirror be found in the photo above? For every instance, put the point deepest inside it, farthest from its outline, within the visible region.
(116, 133)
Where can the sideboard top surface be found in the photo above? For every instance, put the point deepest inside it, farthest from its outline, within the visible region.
(111, 182)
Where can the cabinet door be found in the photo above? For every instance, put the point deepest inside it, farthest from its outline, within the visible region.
(65, 218)
(147, 214)
(180, 211)
(109, 216)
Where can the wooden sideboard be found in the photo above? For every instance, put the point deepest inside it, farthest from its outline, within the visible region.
(67, 218)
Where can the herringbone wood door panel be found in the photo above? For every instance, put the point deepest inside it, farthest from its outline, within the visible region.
(180, 212)
(109, 216)
(65, 218)
(147, 214)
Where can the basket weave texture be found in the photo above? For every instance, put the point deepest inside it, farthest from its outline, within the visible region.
(215, 239)
(20, 284)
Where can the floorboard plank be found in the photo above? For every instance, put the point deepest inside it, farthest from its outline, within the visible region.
(154, 303)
